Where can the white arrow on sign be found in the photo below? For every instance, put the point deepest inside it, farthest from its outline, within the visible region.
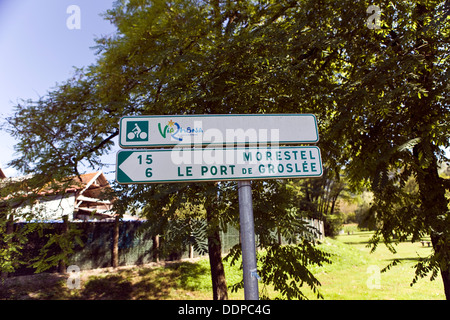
(215, 164)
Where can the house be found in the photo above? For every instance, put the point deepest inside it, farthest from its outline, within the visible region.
(88, 197)
(81, 200)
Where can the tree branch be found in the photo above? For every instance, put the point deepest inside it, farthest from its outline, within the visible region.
(105, 141)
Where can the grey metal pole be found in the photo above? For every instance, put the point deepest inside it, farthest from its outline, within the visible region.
(248, 245)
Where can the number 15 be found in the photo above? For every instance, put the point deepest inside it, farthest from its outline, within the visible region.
(148, 159)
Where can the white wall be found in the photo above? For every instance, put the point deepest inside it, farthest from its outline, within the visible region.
(48, 208)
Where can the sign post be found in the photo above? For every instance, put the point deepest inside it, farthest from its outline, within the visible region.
(230, 153)
(248, 245)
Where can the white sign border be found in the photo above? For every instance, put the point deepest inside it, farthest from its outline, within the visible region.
(190, 143)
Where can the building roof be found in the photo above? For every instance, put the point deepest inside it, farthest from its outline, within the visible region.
(2, 175)
(89, 196)
(93, 180)
(87, 189)
(93, 177)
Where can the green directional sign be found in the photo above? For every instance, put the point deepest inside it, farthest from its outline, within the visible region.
(216, 164)
(220, 147)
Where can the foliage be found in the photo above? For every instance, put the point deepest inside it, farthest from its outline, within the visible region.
(318, 198)
(381, 97)
(57, 249)
(286, 267)
(334, 223)
(10, 246)
(177, 212)
(21, 215)
(285, 241)
(396, 121)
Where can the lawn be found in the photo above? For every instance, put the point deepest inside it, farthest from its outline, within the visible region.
(352, 275)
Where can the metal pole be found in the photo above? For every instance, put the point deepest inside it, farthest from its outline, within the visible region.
(248, 240)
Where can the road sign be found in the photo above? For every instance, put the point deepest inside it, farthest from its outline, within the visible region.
(215, 164)
(236, 162)
(217, 130)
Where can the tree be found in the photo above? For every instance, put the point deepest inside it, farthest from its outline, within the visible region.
(18, 199)
(381, 95)
(187, 214)
(168, 57)
(320, 199)
(285, 239)
(391, 121)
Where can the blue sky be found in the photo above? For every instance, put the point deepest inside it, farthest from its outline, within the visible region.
(38, 50)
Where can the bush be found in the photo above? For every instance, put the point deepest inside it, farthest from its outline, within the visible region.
(333, 224)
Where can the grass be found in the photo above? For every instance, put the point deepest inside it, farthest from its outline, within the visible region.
(350, 276)
(345, 278)
(172, 281)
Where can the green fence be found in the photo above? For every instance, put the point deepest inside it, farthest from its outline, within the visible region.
(135, 245)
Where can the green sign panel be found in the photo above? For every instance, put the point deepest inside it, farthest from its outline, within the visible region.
(137, 131)
(216, 164)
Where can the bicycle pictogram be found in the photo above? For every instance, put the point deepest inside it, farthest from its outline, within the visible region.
(137, 131)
